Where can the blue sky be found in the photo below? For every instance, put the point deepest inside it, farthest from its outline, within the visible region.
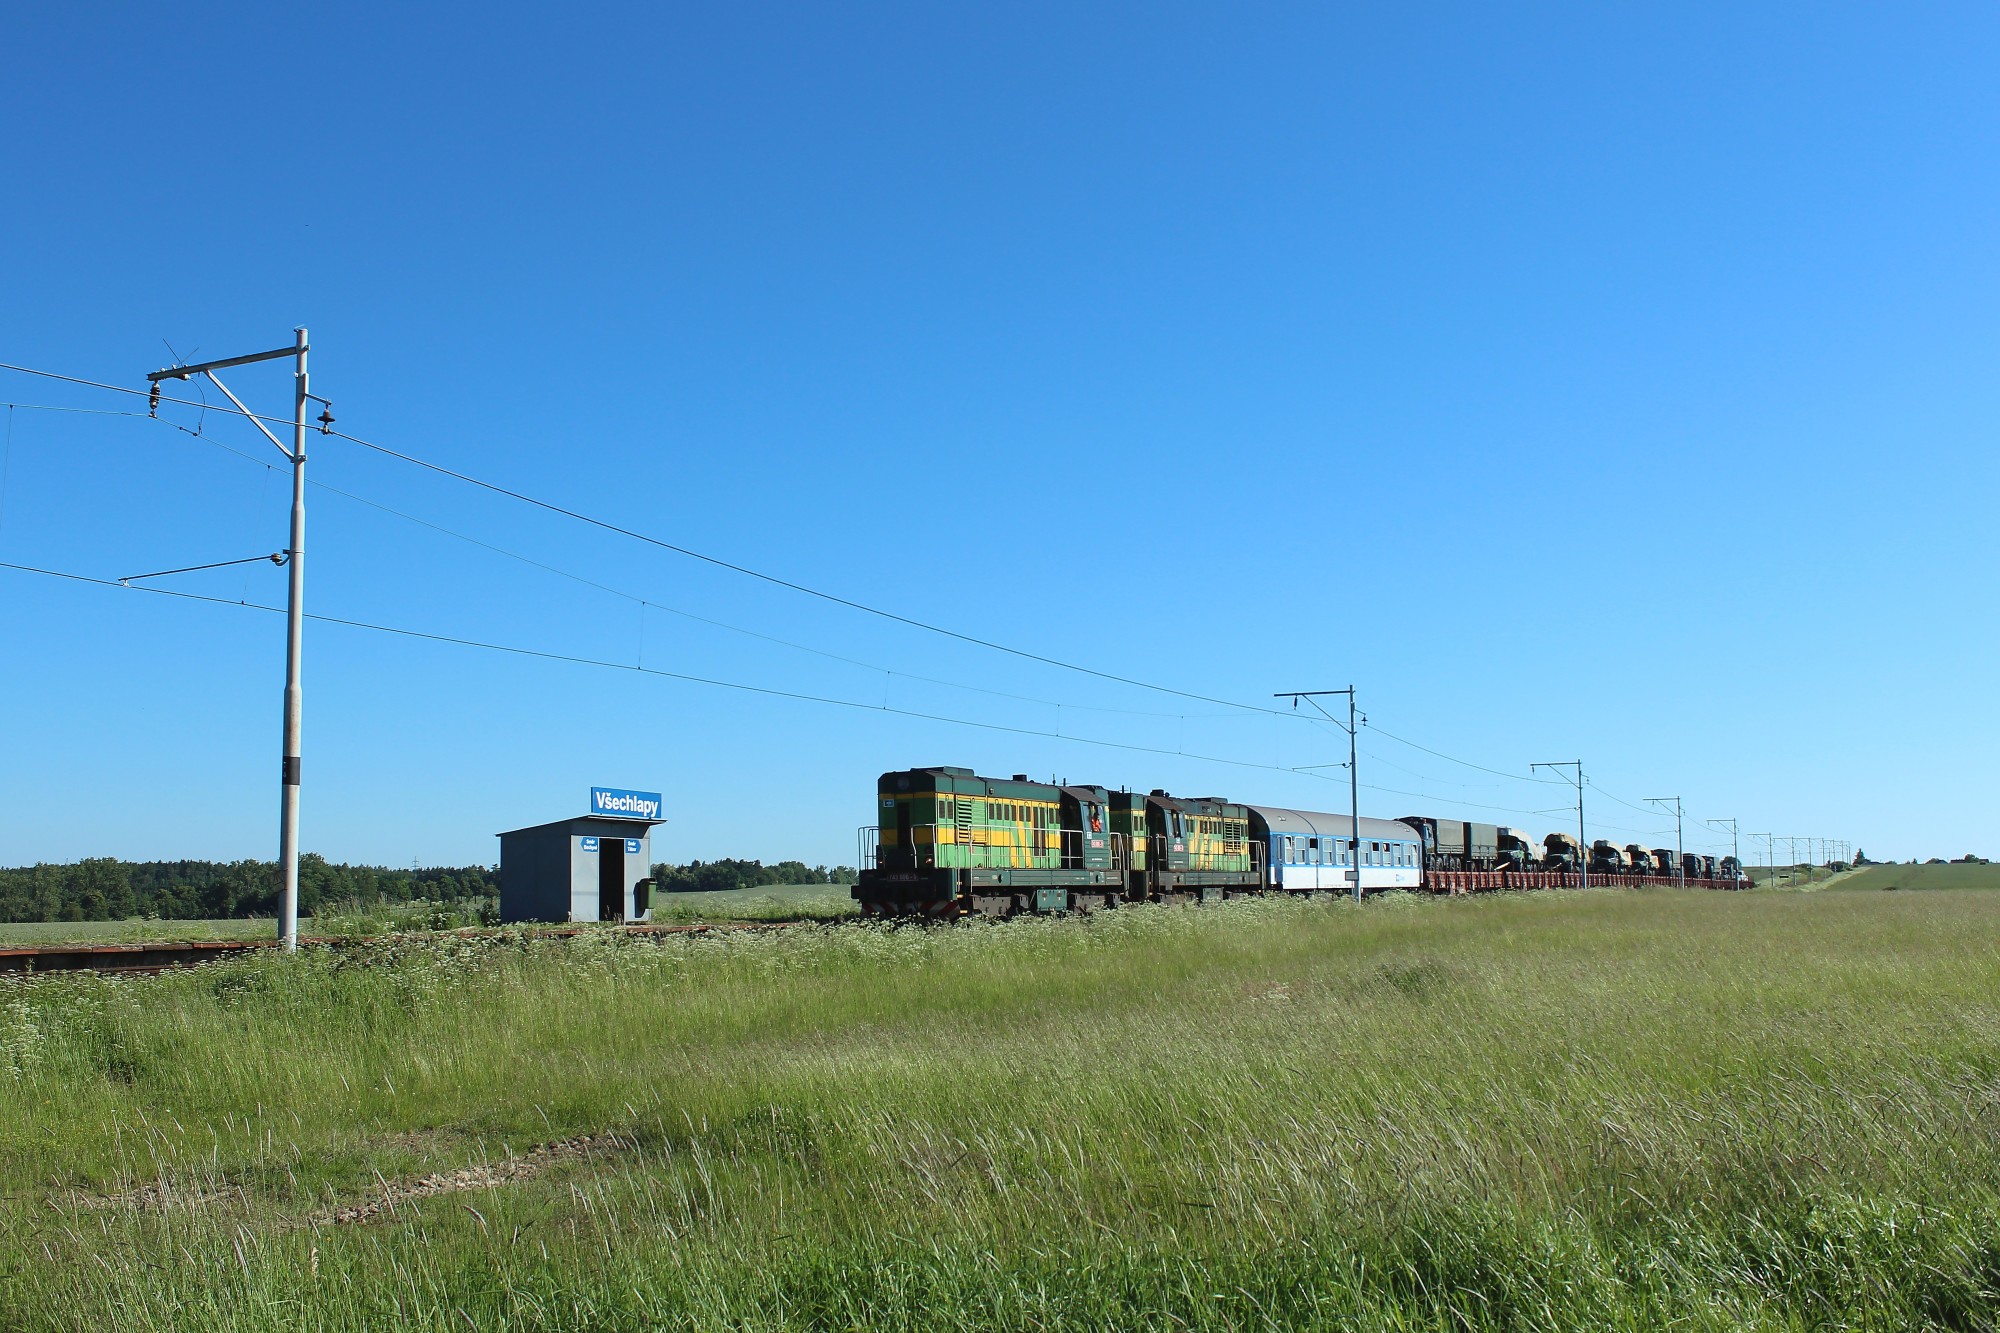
(1586, 381)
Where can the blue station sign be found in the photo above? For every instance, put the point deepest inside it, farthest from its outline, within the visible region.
(619, 803)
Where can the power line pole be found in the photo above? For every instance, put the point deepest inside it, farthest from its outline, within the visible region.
(1353, 774)
(288, 809)
(1582, 847)
(1771, 870)
(1680, 854)
(1734, 852)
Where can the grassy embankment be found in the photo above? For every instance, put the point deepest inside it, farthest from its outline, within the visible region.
(1605, 1110)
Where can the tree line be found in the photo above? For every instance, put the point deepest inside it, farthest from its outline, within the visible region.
(728, 873)
(107, 889)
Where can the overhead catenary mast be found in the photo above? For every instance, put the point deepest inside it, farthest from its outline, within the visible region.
(1353, 776)
(1582, 847)
(288, 805)
(1735, 853)
(1680, 854)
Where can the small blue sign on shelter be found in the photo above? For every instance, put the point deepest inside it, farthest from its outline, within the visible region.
(619, 803)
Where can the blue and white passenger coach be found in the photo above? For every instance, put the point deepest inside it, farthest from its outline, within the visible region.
(1306, 850)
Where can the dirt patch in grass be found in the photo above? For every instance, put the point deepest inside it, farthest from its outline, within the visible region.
(480, 1176)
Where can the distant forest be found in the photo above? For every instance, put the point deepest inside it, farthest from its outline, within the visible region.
(710, 876)
(106, 889)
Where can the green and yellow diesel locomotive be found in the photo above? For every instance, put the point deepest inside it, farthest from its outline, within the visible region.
(949, 842)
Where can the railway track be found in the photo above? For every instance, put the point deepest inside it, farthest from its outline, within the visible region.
(148, 958)
(158, 956)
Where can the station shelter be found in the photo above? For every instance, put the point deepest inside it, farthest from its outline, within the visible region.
(594, 867)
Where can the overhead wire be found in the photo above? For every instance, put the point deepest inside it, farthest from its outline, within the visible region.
(1518, 777)
(648, 602)
(689, 552)
(690, 678)
(642, 601)
(715, 682)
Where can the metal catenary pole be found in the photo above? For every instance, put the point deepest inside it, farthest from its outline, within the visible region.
(1582, 847)
(1353, 770)
(1353, 796)
(1770, 870)
(288, 809)
(1735, 851)
(1680, 851)
(288, 819)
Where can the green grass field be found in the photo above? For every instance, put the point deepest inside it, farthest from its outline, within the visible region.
(1923, 877)
(1597, 1110)
(135, 931)
(773, 902)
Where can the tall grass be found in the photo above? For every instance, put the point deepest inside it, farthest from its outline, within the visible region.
(1605, 1110)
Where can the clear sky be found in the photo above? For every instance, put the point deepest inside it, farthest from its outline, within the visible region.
(1613, 382)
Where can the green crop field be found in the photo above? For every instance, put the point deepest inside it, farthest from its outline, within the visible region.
(1957, 876)
(1603, 1110)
